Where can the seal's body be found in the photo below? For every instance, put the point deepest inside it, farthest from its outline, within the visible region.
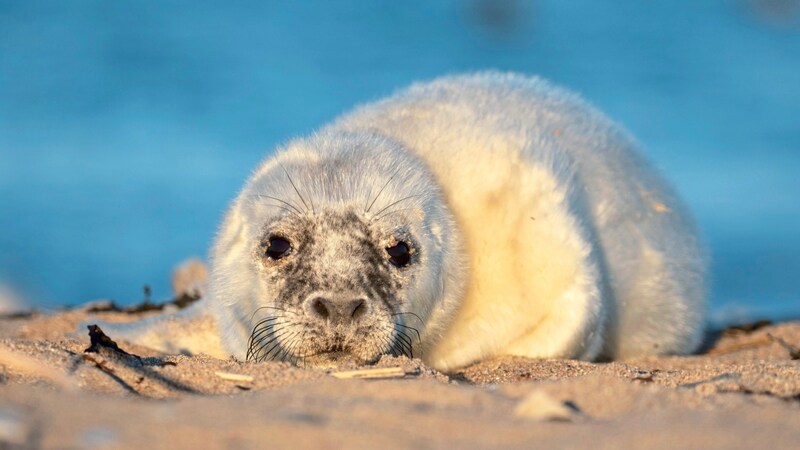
(470, 217)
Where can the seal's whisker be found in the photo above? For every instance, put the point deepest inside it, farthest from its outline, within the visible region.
(401, 344)
(410, 343)
(263, 337)
(297, 191)
(291, 348)
(394, 203)
(255, 349)
(302, 340)
(399, 348)
(366, 211)
(300, 356)
(269, 329)
(281, 347)
(281, 354)
(394, 348)
(389, 213)
(254, 340)
(284, 353)
(419, 338)
(269, 319)
(407, 343)
(404, 337)
(277, 345)
(258, 355)
(294, 208)
(249, 355)
(386, 344)
(273, 338)
(283, 208)
(410, 314)
(265, 322)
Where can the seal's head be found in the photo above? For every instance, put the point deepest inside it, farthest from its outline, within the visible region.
(340, 247)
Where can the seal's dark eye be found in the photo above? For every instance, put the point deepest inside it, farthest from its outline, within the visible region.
(278, 248)
(399, 254)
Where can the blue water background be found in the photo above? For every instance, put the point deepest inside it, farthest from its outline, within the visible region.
(127, 126)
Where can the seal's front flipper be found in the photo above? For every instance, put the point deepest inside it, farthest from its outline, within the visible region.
(187, 332)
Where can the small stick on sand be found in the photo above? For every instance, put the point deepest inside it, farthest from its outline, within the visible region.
(234, 377)
(386, 372)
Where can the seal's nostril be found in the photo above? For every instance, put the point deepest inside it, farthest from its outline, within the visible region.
(359, 309)
(319, 307)
(335, 310)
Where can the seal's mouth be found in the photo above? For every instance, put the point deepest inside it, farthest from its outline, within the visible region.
(336, 355)
(335, 358)
(313, 344)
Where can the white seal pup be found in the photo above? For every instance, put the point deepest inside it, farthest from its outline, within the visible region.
(465, 218)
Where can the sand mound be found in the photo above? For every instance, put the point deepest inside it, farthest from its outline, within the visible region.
(742, 392)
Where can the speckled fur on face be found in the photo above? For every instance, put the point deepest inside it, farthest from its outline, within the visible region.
(336, 254)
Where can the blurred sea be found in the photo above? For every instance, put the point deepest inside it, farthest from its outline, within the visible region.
(126, 126)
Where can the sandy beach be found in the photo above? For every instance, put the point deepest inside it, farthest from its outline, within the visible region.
(742, 391)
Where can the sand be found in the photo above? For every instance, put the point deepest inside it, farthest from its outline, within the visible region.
(742, 391)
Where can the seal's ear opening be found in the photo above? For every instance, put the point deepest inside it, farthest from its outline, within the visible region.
(399, 254)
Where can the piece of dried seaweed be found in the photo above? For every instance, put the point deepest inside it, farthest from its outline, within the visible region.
(745, 328)
(100, 340)
(381, 372)
(145, 306)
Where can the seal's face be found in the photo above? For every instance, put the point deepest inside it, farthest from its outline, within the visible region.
(338, 282)
(339, 248)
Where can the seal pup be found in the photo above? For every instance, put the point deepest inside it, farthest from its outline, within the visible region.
(468, 217)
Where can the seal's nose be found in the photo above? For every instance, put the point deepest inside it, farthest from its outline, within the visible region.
(336, 311)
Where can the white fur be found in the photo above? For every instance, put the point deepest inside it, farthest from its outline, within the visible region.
(550, 236)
